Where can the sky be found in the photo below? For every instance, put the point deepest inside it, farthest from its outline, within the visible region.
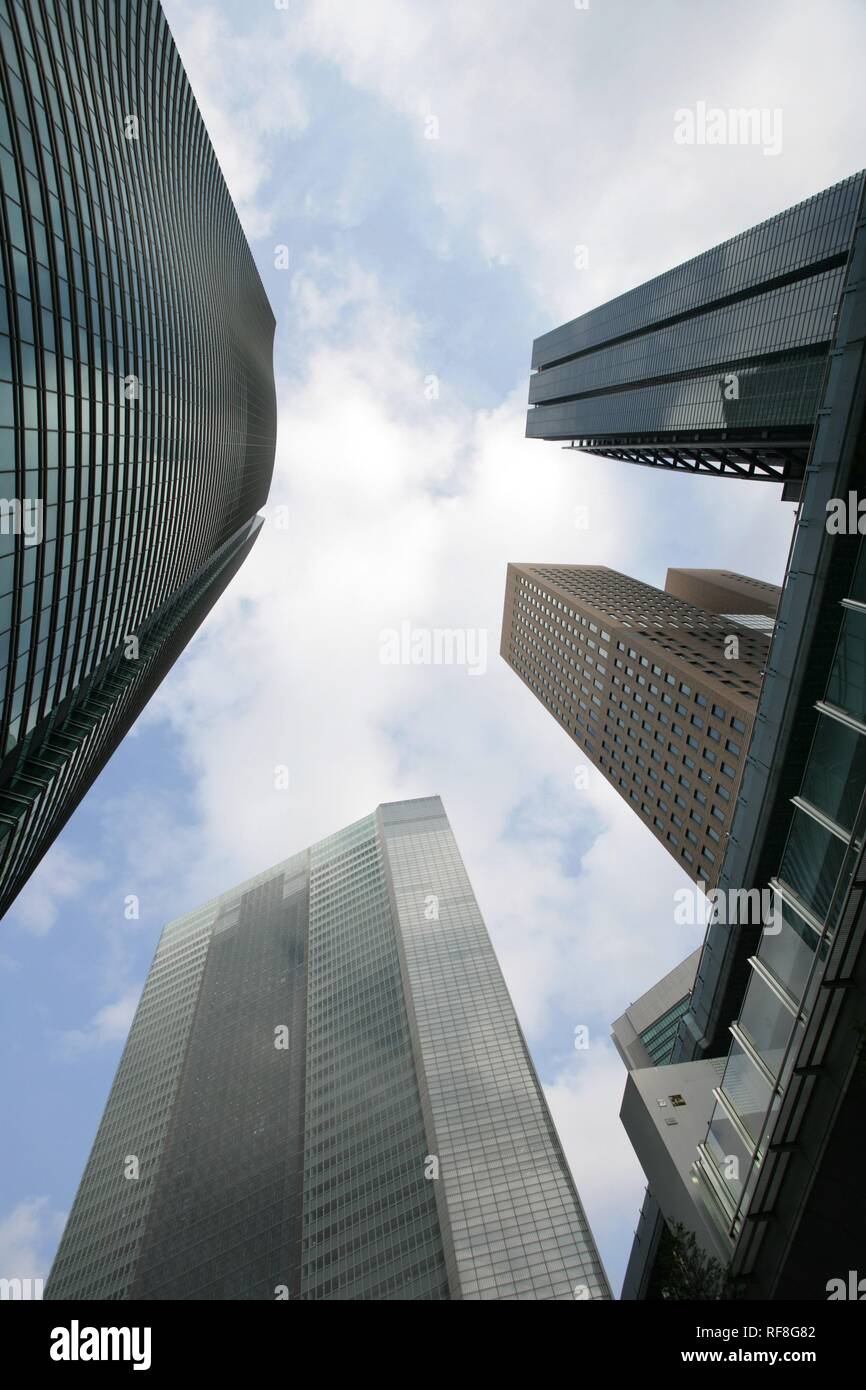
(426, 187)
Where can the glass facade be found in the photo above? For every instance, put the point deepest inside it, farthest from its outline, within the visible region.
(717, 365)
(661, 1035)
(225, 1216)
(516, 1226)
(326, 1095)
(371, 1226)
(811, 887)
(137, 409)
(772, 1184)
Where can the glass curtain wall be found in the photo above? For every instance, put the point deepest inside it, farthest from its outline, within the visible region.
(809, 890)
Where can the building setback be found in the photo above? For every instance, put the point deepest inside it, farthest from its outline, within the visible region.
(716, 366)
(723, 591)
(644, 1037)
(645, 1034)
(659, 694)
(326, 1094)
(137, 408)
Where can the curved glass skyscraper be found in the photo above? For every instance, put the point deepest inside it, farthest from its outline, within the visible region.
(137, 407)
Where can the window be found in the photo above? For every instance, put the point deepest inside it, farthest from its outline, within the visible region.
(846, 687)
(811, 862)
(836, 771)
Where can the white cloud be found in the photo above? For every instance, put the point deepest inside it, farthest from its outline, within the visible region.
(61, 879)
(554, 133)
(553, 128)
(247, 97)
(27, 1236)
(110, 1024)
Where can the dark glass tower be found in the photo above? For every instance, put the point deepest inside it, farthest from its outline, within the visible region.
(766, 1075)
(326, 1094)
(137, 408)
(717, 366)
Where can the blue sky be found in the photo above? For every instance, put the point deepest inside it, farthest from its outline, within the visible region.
(412, 258)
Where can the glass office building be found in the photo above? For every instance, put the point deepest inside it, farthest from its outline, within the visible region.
(326, 1094)
(806, 959)
(716, 366)
(137, 408)
(769, 1055)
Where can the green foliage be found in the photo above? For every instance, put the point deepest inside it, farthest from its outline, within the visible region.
(686, 1272)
